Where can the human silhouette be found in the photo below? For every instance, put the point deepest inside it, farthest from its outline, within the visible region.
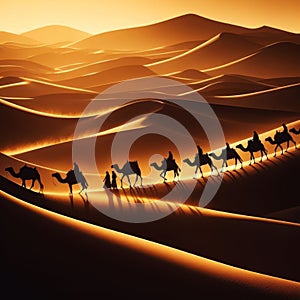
(114, 180)
(106, 180)
(170, 157)
(285, 129)
(255, 138)
(227, 146)
(200, 151)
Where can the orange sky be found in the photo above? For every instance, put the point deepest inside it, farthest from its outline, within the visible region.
(96, 16)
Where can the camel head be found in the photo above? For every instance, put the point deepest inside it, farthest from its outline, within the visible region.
(268, 139)
(239, 146)
(55, 174)
(8, 169)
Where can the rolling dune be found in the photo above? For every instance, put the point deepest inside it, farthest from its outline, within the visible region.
(99, 255)
(276, 60)
(63, 34)
(219, 50)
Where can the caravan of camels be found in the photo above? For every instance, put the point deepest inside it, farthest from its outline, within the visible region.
(75, 176)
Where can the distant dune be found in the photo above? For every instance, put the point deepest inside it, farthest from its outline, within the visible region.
(99, 67)
(188, 28)
(276, 60)
(113, 75)
(6, 37)
(283, 99)
(219, 50)
(53, 34)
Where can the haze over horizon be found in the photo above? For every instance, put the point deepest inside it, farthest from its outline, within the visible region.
(94, 17)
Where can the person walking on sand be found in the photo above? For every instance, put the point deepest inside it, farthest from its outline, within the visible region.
(106, 180)
(114, 180)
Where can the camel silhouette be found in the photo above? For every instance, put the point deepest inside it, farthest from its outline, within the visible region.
(254, 147)
(165, 167)
(295, 131)
(227, 154)
(280, 138)
(71, 179)
(129, 168)
(201, 161)
(27, 173)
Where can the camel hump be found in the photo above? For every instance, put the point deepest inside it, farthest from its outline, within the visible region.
(134, 165)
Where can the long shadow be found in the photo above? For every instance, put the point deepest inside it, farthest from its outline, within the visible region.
(255, 168)
(238, 173)
(71, 200)
(244, 171)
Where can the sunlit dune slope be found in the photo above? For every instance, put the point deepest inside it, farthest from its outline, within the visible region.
(101, 66)
(25, 64)
(56, 34)
(113, 75)
(17, 51)
(16, 38)
(282, 98)
(229, 85)
(96, 262)
(30, 87)
(221, 49)
(276, 60)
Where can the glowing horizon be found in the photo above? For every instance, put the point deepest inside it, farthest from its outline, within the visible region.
(96, 17)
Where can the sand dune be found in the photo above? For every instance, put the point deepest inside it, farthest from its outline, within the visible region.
(281, 98)
(224, 236)
(100, 254)
(221, 49)
(16, 38)
(13, 51)
(281, 81)
(29, 87)
(98, 67)
(26, 64)
(113, 75)
(56, 34)
(187, 27)
(276, 60)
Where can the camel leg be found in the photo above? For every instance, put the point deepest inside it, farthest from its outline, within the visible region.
(136, 179)
(201, 172)
(195, 176)
(287, 146)
(71, 189)
(122, 180)
(275, 150)
(128, 180)
(213, 166)
(32, 184)
(281, 149)
(294, 143)
(163, 175)
(141, 180)
(24, 184)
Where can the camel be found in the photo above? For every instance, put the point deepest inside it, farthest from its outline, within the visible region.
(129, 168)
(27, 173)
(280, 138)
(71, 179)
(204, 159)
(295, 131)
(165, 168)
(227, 154)
(254, 147)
